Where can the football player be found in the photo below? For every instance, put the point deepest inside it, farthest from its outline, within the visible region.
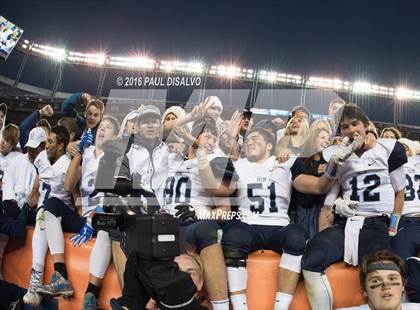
(372, 183)
(407, 241)
(264, 191)
(48, 194)
(83, 169)
(195, 190)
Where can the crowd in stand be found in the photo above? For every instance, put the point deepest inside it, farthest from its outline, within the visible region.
(314, 191)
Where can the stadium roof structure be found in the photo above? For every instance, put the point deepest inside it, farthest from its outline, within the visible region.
(39, 72)
(145, 63)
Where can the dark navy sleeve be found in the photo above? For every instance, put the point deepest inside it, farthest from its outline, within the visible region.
(224, 169)
(397, 157)
(68, 107)
(299, 167)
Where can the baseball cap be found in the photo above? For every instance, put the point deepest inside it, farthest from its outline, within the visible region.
(3, 107)
(149, 110)
(36, 136)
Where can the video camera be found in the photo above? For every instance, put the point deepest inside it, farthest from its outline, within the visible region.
(134, 210)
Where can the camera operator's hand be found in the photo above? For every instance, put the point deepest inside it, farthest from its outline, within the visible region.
(185, 212)
(115, 148)
(84, 235)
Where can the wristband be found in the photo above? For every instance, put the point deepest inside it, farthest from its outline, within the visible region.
(393, 224)
(331, 170)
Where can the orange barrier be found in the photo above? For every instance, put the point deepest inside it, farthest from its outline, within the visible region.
(262, 277)
(18, 261)
(262, 284)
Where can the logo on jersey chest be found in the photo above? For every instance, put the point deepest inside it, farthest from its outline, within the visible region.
(261, 179)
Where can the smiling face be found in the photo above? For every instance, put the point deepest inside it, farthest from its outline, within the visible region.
(93, 116)
(352, 128)
(207, 140)
(256, 147)
(214, 112)
(322, 141)
(384, 289)
(53, 148)
(296, 125)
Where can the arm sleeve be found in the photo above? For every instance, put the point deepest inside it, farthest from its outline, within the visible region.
(68, 109)
(332, 195)
(224, 169)
(398, 179)
(397, 158)
(124, 170)
(26, 126)
(298, 168)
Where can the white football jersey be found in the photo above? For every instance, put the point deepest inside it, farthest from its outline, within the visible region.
(51, 178)
(265, 190)
(367, 178)
(89, 197)
(18, 177)
(412, 186)
(6, 161)
(183, 185)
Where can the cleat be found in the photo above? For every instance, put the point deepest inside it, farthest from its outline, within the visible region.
(32, 297)
(90, 302)
(57, 287)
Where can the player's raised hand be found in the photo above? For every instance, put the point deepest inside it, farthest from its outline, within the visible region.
(346, 149)
(86, 141)
(233, 125)
(46, 111)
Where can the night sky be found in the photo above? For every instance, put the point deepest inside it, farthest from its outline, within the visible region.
(374, 40)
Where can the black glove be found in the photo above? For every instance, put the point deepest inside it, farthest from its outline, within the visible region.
(185, 212)
(116, 148)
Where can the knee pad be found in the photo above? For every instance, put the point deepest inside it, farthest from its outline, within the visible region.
(314, 260)
(295, 241)
(203, 235)
(413, 279)
(237, 237)
(234, 257)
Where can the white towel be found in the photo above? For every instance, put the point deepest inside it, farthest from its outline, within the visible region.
(351, 239)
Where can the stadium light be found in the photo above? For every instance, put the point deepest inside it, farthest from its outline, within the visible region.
(90, 58)
(231, 72)
(55, 53)
(180, 66)
(276, 77)
(406, 94)
(315, 81)
(140, 62)
(367, 88)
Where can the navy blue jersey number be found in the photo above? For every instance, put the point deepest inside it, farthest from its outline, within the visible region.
(410, 190)
(368, 194)
(179, 192)
(46, 189)
(257, 202)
